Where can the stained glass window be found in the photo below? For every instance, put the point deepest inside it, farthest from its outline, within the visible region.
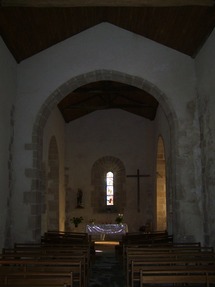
(109, 189)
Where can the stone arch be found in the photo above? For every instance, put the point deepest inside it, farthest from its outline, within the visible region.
(52, 195)
(98, 172)
(35, 173)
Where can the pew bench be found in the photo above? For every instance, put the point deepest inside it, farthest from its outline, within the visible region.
(167, 252)
(58, 237)
(66, 247)
(37, 279)
(135, 239)
(168, 265)
(8, 267)
(162, 248)
(179, 277)
(170, 257)
(83, 258)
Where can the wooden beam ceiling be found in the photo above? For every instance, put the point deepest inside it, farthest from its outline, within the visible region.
(103, 95)
(106, 3)
(29, 27)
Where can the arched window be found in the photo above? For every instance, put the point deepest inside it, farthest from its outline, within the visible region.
(109, 188)
(108, 177)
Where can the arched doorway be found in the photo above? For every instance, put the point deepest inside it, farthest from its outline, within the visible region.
(161, 187)
(73, 84)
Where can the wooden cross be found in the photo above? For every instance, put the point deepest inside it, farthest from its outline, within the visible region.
(138, 175)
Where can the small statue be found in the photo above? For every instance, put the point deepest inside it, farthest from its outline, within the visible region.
(79, 198)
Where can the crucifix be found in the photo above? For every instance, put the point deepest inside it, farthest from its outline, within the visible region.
(138, 175)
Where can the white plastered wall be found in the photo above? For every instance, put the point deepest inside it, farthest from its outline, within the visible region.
(121, 135)
(205, 67)
(108, 47)
(7, 109)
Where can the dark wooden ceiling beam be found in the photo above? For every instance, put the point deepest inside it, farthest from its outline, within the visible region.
(112, 3)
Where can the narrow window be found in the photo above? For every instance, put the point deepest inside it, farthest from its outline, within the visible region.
(109, 189)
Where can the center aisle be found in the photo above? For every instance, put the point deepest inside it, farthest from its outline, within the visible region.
(106, 271)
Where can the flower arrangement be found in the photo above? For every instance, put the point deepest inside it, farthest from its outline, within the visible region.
(119, 218)
(76, 220)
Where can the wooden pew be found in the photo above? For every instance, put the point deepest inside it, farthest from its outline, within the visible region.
(85, 264)
(137, 257)
(63, 251)
(65, 237)
(47, 249)
(162, 251)
(70, 238)
(69, 257)
(139, 238)
(58, 252)
(166, 247)
(162, 247)
(38, 266)
(180, 277)
(168, 252)
(74, 242)
(66, 249)
(167, 265)
(152, 251)
(59, 238)
(37, 279)
(55, 248)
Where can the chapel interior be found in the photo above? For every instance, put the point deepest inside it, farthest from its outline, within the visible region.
(107, 111)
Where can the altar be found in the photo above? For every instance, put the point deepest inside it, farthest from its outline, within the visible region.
(113, 231)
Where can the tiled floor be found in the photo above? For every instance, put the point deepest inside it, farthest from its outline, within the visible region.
(107, 270)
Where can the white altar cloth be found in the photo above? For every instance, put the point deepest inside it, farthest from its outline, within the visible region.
(103, 229)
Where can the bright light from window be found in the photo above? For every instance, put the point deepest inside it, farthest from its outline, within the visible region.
(109, 189)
